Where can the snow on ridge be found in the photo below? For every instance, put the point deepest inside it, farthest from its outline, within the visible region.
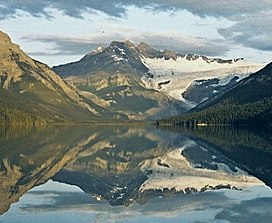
(161, 66)
(98, 50)
(181, 73)
(116, 58)
(122, 51)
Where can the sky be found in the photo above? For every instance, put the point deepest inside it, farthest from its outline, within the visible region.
(61, 31)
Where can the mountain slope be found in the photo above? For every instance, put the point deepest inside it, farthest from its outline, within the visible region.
(253, 88)
(118, 57)
(141, 82)
(249, 101)
(37, 90)
(113, 75)
(185, 77)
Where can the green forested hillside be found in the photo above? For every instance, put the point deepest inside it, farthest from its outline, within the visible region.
(252, 113)
(16, 109)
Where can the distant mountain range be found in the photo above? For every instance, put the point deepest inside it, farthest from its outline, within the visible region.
(143, 83)
(122, 82)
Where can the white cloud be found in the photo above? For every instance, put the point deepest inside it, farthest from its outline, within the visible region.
(253, 31)
(222, 8)
(215, 28)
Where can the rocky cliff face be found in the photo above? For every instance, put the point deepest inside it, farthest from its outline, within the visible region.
(35, 83)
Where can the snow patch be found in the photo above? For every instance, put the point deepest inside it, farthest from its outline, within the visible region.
(163, 67)
(98, 50)
(116, 58)
(23, 91)
(122, 51)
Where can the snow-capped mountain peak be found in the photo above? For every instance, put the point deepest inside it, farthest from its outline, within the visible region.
(189, 78)
(175, 74)
(98, 50)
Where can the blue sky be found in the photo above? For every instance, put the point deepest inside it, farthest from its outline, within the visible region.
(60, 31)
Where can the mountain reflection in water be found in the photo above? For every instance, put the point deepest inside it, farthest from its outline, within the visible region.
(137, 164)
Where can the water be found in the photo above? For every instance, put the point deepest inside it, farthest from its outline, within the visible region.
(135, 174)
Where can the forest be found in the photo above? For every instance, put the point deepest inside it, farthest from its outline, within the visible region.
(257, 113)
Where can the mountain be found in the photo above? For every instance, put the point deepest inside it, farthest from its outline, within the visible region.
(247, 102)
(113, 75)
(143, 82)
(119, 57)
(121, 81)
(31, 91)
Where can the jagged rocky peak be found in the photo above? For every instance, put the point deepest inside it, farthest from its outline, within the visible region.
(98, 50)
(129, 44)
(118, 47)
(212, 60)
(6, 45)
(142, 47)
(120, 44)
(170, 54)
(4, 38)
(238, 59)
(147, 51)
(122, 49)
(194, 57)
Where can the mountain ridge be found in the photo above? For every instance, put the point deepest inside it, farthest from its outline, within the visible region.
(143, 69)
(122, 81)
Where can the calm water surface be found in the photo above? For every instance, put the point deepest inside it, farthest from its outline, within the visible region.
(135, 174)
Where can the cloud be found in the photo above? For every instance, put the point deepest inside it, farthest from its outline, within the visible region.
(176, 42)
(222, 8)
(10, 8)
(254, 31)
(117, 8)
(62, 46)
(68, 7)
(251, 18)
(251, 205)
(255, 210)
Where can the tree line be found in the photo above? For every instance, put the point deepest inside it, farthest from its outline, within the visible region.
(258, 113)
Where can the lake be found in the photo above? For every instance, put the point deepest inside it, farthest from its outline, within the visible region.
(135, 174)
